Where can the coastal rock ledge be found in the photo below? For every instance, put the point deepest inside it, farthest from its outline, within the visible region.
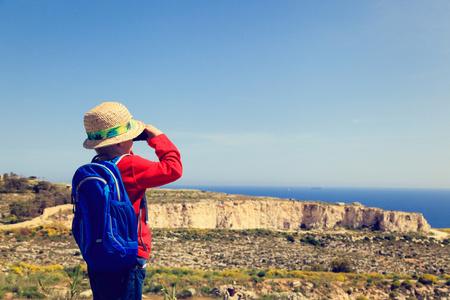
(279, 214)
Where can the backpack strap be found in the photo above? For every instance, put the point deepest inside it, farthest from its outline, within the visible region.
(117, 159)
(143, 203)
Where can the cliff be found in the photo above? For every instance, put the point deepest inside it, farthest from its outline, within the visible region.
(209, 210)
(269, 213)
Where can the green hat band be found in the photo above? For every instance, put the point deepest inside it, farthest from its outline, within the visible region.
(110, 132)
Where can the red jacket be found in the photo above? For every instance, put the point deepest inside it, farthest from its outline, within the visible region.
(139, 173)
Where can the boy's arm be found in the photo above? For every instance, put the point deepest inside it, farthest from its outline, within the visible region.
(148, 173)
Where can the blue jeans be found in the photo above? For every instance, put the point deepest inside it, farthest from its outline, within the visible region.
(122, 285)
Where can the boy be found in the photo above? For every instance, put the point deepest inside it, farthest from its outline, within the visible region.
(111, 130)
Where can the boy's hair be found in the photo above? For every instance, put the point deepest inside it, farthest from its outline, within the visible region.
(106, 149)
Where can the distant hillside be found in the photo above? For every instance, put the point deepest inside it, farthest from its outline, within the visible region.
(24, 198)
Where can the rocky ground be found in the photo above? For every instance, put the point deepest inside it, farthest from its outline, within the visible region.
(396, 255)
(47, 241)
(368, 252)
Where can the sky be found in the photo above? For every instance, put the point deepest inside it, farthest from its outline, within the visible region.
(253, 93)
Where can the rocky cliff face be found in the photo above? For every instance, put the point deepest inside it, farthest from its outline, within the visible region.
(266, 213)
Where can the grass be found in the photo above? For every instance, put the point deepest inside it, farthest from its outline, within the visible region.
(34, 282)
(55, 282)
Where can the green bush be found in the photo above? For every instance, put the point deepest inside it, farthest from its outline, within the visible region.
(290, 238)
(157, 288)
(362, 298)
(318, 268)
(393, 294)
(14, 184)
(256, 279)
(310, 240)
(31, 292)
(261, 273)
(407, 284)
(395, 285)
(428, 279)
(341, 266)
(184, 294)
(205, 289)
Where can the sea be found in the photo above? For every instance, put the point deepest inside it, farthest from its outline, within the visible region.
(433, 204)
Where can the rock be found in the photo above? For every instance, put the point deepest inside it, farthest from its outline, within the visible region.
(233, 292)
(296, 283)
(309, 285)
(441, 291)
(86, 294)
(193, 291)
(291, 296)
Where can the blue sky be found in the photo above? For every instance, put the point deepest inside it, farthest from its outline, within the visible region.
(288, 93)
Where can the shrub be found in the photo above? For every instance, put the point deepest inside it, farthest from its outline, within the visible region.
(184, 294)
(395, 285)
(31, 292)
(157, 288)
(256, 279)
(261, 274)
(14, 184)
(290, 238)
(362, 298)
(407, 284)
(275, 273)
(341, 266)
(310, 240)
(427, 279)
(318, 268)
(393, 294)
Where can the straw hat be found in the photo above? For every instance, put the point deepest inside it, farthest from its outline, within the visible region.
(108, 124)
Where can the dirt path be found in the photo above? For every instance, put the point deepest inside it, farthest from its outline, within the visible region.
(41, 220)
(437, 234)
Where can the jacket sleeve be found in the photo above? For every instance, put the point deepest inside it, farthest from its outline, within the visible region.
(148, 174)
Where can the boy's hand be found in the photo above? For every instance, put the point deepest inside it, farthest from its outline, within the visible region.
(151, 131)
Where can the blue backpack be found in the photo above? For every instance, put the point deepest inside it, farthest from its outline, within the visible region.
(105, 223)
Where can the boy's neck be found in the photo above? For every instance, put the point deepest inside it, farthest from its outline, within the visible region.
(114, 150)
